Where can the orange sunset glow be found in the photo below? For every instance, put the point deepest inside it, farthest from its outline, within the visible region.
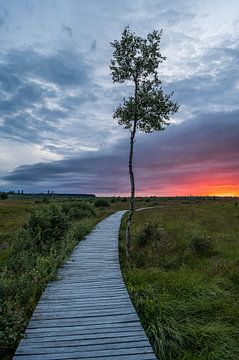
(211, 190)
(204, 190)
(224, 190)
(191, 186)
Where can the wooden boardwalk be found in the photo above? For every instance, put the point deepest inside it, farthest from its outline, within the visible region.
(87, 313)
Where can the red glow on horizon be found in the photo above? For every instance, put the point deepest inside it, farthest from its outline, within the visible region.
(207, 183)
(194, 190)
(224, 191)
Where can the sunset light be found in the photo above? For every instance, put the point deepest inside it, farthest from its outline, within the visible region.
(226, 190)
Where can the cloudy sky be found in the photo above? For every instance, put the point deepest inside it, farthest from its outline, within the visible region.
(57, 97)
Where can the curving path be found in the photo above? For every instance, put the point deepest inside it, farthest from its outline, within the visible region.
(87, 313)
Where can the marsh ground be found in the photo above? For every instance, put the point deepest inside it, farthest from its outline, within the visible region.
(183, 278)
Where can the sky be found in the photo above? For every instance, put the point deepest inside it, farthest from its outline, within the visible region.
(57, 98)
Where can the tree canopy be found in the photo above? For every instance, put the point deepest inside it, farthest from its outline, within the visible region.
(136, 59)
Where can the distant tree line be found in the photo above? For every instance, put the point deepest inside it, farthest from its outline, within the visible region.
(48, 192)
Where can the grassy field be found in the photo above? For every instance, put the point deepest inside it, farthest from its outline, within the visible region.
(184, 278)
(12, 215)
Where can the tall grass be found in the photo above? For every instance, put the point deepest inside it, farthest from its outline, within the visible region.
(183, 279)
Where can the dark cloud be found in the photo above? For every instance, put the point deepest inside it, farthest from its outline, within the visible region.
(93, 45)
(67, 30)
(66, 67)
(72, 102)
(205, 146)
(23, 95)
(3, 15)
(27, 129)
(29, 5)
(34, 90)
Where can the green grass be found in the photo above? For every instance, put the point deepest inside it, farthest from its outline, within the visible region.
(13, 213)
(187, 299)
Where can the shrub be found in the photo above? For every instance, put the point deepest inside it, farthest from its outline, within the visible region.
(201, 245)
(78, 213)
(150, 232)
(23, 254)
(4, 196)
(47, 225)
(101, 203)
(78, 210)
(45, 200)
(78, 231)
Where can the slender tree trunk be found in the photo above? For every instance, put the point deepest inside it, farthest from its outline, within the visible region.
(132, 187)
(131, 176)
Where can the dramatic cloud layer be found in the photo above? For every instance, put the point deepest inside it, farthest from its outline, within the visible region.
(57, 98)
(198, 155)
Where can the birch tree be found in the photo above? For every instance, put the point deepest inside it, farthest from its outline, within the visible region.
(148, 109)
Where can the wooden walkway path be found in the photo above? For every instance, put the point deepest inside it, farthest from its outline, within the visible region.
(87, 313)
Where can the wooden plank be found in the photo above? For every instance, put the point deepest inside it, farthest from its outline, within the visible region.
(85, 296)
(68, 347)
(44, 339)
(87, 313)
(111, 319)
(82, 305)
(87, 354)
(85, 292)
(98, 306)
(65, 314)
(85, 329)
(116, 357)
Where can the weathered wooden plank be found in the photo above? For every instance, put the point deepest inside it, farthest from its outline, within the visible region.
(87, 354)
(95, 336)
(111, 319)
(87, 280)
(82, 346)
(116, 357)
(83, 288)
(81, 307)
(84, 299)
(84, 291)
(91, 301)
(87, 312)
(79, 329)
(65, 314)
(85, 294)
(90, 280)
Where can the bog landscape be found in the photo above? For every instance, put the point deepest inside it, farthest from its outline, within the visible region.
(119, 180)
